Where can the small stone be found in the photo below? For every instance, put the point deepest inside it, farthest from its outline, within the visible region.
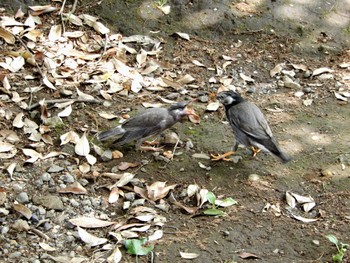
(189, 145)
(21, 225)
(203, 98)
(74, 203)
(316, 242)
(68, 178)
(55, 169)
(45, 177)
(22, 198)
(49, 201)
(41, 210)
(130, 196)
(107, 156)
(83, 182)
(307, 90)
(299, 94)
(16, 254)
(3, 198)
(289, 83)
(182, 169)
(236, 158)
(226, 233)
(4, 230)
(254, 177)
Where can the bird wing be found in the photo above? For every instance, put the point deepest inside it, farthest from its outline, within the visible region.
(147, 119)
(248, 118)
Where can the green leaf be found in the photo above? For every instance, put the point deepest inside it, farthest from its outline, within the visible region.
(135, 247)
(214, 212)
(226, 202)
(332, 239)
(211, 197)
(338, 257)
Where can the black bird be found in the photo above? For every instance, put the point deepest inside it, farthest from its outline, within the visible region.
(148, 123)
(249, 126)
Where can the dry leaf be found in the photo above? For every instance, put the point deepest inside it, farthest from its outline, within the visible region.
(114, 195)
(18, 122)
(90, 222)
(55, 32)
(246, 78)
(34, 155)
(82, 147)
(116, 256)
(126, 165)
(74, 188)
(183, 35)
(320, 71)
(7, 36)
(158, 234)
(158, 190)
(71, 136)
(66, 112)
(23, 210)
(84, 168)
(117, 154)
(247, 255)
(11, 168)
(186, 255)
(276, 70)
(46, 247)
(91, 159)
(48, 83)
(89, 239)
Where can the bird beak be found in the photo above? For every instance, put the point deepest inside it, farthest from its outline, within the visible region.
(192, 115)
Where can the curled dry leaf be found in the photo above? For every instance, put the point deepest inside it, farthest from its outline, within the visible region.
(124, 180)
(107, 116)
(84, 168)
(55, 32)
(74, 188)
(18, 122)
(186, 255)
(89, 239)
(34, 155)
(48, 83)
(66, 112)
(84, 96)
(158, 234)
(114, 195)
(158, 190)
(23, 210)
(197, 63)
(246, 255)
(309, 206)
(186, 79)
(11, 168)
(71, 136)
(246, 78)
(7, 36)
(91, 159)
(116, 256)
(290, 200)
(304, 219)
(320, 71)
(82, 147)
(183, 35)
(90, 222)
(276, 70)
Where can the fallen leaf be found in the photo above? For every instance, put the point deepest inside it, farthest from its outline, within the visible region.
(320, 71)
(7, 36)
(89, 239)
(18, 122)
(116, 256)
(246, 78)
(158, 190)
(66, 112)
(90, 222)
(126, 165)
(23, 210)
(46, 247)
(74, 188)
(247, 255)
(186, 255)
(82, 147)
(213, 106)
(183, 35)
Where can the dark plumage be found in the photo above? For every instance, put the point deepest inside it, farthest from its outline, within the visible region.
(148, 123)
(249, 124)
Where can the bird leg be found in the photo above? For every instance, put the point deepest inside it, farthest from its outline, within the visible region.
(222, 156)
(255, 150)
(151, 143)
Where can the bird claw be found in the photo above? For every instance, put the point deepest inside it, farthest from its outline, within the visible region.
(255, 150)
(223, 157)
(151, 143)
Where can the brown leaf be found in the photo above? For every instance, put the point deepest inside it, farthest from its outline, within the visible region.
(158, 190)
(23, 210)
(247, 255)
(74, 188)
(7, 36)
(90, 222)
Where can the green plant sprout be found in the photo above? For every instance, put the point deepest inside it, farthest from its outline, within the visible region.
(161, 3)
(214, 211)
(341, 247)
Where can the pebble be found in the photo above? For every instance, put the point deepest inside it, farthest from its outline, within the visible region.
(45, 177)
(307, 90)
(16, 254)
(107, 155)
(130, 196)
(74, 203)
(83, 182)
(55, 169)
(254, 177)
(189, 145)
(68, 178)
(4, 230)
(21, 225)
(204, 98)
(22, 198)
(49, 201)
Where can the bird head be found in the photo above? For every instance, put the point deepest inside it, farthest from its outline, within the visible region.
(180, 109)
(229, 98)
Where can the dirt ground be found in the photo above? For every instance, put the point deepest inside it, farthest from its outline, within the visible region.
(316, 136)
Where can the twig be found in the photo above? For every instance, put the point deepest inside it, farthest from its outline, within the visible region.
(62, 7)
(39, 233)
(177, 142)
(29, 108)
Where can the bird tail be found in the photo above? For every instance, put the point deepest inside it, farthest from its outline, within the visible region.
(103, 136)
(273, 147)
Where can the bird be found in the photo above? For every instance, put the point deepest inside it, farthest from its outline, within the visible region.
(148, 123)
(249, 126)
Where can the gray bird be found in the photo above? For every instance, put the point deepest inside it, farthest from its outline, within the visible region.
(249, 126)
(148, 123)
